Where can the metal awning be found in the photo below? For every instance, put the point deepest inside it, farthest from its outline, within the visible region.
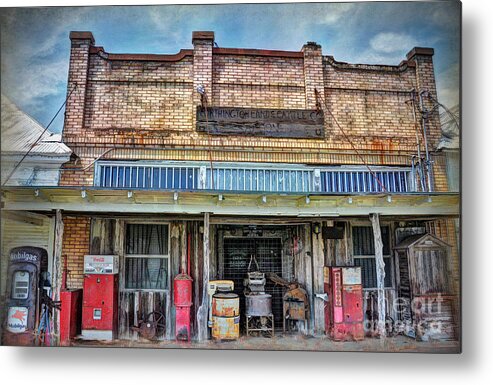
(94, 199)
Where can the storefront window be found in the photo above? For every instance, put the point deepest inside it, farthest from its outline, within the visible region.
(147, 257)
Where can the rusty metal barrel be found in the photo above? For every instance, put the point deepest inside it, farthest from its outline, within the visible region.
(225, 316)
(259, 305)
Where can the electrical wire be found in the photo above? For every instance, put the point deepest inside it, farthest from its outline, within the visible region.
(452, 115)
(39, 138)
(317, 97)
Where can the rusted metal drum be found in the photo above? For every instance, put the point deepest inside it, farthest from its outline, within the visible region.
(258, 305)
(225, 316)
(225, 328)
(225, 305)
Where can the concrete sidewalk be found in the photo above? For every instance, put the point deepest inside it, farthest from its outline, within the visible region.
(295, 343)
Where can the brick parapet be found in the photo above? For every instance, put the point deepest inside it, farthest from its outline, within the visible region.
(139, 101)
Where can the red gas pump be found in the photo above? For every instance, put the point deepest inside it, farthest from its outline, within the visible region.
(100, 297)
(23, 294)
(344, 310)
(182, 288)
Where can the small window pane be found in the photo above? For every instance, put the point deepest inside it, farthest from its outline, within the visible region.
(20, 285)
(146, 273)
(147, 239)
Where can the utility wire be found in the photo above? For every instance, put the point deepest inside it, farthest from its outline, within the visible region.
(317, 96)
(40, 136)
(452, 115)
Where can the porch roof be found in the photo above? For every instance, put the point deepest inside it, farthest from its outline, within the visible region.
(95, 199)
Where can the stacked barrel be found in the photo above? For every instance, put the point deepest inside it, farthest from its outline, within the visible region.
(225, 316)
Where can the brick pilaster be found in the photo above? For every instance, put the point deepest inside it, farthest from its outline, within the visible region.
(75, 245)
(77, 75)
(425, 81)
(314, 73)
(203, 42)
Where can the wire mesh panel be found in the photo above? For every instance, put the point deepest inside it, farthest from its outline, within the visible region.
(267, 252)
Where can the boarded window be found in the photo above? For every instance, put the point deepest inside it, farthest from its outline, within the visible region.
(146, 257)
(364, 255)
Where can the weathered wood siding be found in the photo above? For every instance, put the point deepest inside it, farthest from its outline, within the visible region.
(134, 305)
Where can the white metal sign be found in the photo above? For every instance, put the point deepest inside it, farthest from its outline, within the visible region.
(17, 319)
(100, 264)
(351, 276)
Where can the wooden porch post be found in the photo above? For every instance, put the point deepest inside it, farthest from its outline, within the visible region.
(57, 271)
(203, 311)
(318, 277)
(380, 268)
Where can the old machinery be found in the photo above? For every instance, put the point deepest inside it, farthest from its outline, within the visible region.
(24, 286)
(100, 297)
(344, 310)
(259, 319)
(182, 295)
(295, 303)
(153, 325)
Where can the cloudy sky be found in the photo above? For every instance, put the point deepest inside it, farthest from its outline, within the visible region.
(35, 44)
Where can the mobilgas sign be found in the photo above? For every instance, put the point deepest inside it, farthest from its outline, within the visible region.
(23, 256)
(275, 123)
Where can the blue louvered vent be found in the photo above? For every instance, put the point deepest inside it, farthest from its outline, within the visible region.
(251, 177)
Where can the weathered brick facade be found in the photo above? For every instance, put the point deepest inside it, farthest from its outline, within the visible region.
(75, 246)
(130, 106)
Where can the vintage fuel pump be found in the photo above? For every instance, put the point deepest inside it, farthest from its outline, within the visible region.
(182, 287)
(344, 308)
(100, 297)
(26, 265)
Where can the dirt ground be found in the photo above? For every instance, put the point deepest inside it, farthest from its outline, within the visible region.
(295, 343)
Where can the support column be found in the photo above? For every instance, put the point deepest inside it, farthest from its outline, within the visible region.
(318, 284)
(203, 311)
(57, 271)
(380, 267)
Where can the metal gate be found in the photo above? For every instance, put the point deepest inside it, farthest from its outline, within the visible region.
(268, 253)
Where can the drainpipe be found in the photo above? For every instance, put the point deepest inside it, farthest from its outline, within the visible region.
(424, 113)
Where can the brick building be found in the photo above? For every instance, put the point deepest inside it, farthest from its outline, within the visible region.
(212, 155)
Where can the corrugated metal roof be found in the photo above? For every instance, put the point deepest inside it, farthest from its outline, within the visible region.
(413, 239)
(20, 131)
